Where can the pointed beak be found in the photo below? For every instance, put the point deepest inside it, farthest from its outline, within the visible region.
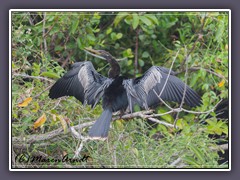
(96, 52)
(93, 52)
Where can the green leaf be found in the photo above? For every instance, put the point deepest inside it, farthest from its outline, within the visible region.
(119, 35)
(129, 63)
(128, 20)
(58, 48)
(193, 80)
(74, 26)
(145, 54)
(162, 128)
(109, 30)
(145, 20)
(79, 43)
(219, 32)
(119, 17)
(142, 37)
(198, 153)
(166, 117)
(141, 62)
(113, 36)
(91, 37)
(50, 75)
(152, 18)
(191, 161)
(135, 21)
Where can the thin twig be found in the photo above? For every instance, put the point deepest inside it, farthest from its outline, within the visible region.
(222, 146)
(50, 28)
(43, 36)
(199, 33)
(30, 19)
(136, 53)
(200, 68)
(168, 74)
(133, 115)
(42, 91)
(32, 77)
(67, 59)
(177, 161)
(161, 122)
(47, 136)
(186, 69)
(184, 91)
(79, 149)
(163, 100)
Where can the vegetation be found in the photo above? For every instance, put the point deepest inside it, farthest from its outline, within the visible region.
(45, 44)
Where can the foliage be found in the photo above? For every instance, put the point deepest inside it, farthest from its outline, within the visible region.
(45, 44)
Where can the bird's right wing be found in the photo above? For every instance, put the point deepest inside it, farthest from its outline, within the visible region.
(83, 82)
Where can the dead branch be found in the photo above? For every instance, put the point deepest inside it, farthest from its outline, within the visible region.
(41, 137)
(50, 28)
(44, 32)
(161, 122)
(220, 147)
(32, 77)
(142, 114)
(168, 75)
(136, 53)
(42, 91)
(195, 68)
(199, 33)
(185, 89)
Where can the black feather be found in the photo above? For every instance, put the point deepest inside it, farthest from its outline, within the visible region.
(101, 127)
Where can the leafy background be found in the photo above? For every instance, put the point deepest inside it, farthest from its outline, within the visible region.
(45, 44)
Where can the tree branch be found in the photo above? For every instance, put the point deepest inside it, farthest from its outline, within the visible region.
(41, 137)
(32, 77)
(199, 33)
(199, 68)
(136, 53)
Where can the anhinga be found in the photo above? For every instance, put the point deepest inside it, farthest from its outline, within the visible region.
(87, 85)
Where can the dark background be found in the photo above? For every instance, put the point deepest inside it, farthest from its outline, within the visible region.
(103, 4)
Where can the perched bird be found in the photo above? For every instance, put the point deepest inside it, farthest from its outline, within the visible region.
(117, 93)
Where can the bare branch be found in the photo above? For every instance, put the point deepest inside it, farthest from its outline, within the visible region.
(186, 69)
(161, 122)
(162, 100)
(142, 114)
(32, 77)
(185, 89)
(42, 91)
(177, 161)
(195, 68)
(199, 33)
(51, 27)
(168, 74)
(222, 146)
(79, 149)
(41, 137)
(43, 36)
(136, 53)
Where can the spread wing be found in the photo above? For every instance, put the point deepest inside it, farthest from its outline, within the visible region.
(142, 90)
(83, 82)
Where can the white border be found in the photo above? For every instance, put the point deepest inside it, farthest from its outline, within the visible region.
(109, 10)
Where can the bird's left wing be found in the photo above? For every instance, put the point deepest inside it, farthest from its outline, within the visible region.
(83, 82)
(144, 90)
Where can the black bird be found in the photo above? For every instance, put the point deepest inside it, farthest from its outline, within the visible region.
(84, 83)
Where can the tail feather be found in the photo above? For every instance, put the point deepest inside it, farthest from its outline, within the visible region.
(101, 127)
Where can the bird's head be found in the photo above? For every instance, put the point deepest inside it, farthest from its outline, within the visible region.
(99, 53)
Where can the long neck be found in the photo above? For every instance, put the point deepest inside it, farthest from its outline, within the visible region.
(114, 70)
